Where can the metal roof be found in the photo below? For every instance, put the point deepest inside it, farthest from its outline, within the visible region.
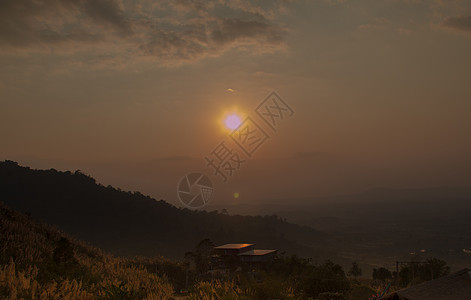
(257, 252)
(233, 246)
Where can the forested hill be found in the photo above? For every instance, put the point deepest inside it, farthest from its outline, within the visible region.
(129, 223)
(40, 262)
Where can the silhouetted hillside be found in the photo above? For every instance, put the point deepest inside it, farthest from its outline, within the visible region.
(40, 262)
(129, 223)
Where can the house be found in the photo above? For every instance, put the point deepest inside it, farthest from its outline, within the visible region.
(233, 249)
(240, 254)
(450, 287)
(257, 256)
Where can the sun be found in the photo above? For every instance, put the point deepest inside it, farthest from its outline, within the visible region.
(231, 118)
(232, 121)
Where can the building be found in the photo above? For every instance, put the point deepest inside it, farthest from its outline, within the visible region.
(257, 256)
(233, 249)
(451, 287)
(241, 254)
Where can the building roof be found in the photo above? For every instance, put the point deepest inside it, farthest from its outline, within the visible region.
(453, 286)
(233, 246)
(257, 252)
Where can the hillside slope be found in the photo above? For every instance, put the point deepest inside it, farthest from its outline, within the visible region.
(128, 223)
(40, 262)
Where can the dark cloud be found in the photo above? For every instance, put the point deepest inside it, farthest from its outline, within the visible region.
(209, 39)
(28, 22)
(52, 37)
(196, 5)
(167, 31)
(15, 27)
(174, 45)
(233, 29)
(459, 23)
(107, 12)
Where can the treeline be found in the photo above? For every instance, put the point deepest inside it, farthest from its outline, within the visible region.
(293, 277)
(286, 277)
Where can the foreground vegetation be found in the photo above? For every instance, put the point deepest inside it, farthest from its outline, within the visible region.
(40, 262)
(293, 277)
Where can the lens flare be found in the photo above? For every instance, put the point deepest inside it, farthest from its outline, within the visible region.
(232, 121)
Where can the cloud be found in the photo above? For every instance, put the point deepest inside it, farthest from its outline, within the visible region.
(172, 45)
(107, 12)
(231, 30)
(210, 34)
(193, 5)
(167, 31)
(459, 23)
(33, 24)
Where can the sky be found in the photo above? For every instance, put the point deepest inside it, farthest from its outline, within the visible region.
(134, 93)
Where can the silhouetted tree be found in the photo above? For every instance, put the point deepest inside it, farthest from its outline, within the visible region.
(381, 274)
(325, 278)
(416, 272)
(355, 270)
(201, 257)
(436, 268)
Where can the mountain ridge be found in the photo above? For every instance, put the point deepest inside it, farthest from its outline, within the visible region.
(129, 223)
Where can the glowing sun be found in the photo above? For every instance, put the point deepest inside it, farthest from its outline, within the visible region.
(232, 121)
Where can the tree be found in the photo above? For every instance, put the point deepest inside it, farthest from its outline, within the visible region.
(355, 270)
(382, 274)
(436, 268)
(419, 271)
(201, 257)
(327, 277)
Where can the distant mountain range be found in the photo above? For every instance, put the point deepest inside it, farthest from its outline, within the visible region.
(129, 223)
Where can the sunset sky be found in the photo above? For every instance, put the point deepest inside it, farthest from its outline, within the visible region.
(134, 93)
